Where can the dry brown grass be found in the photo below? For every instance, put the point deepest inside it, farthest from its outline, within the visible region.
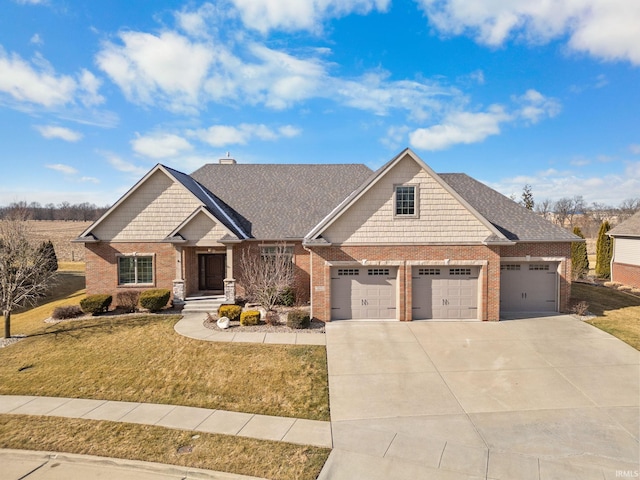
(617, 313)
(260, 458)
(141, 359)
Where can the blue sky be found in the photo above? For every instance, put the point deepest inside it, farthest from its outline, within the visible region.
(94, 94)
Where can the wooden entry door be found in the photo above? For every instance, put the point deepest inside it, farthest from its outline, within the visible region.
(212, 271)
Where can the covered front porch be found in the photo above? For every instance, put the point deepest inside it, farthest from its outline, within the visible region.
(204, 271)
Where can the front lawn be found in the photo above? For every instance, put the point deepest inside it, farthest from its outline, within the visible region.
(142, 359)
(617, 313)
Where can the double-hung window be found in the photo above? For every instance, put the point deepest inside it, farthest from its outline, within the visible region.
(406, 201)
(135, 269)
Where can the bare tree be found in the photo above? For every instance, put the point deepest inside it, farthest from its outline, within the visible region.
(543, 208)
(25, 273)
(567, 208)
(267, 275)
(627, 208)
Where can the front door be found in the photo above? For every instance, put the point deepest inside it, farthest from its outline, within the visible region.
(212, 271)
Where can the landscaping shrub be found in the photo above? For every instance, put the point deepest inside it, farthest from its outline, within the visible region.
(579, 257)
(154, 300)
(287, 297)
(298, 319)
(604, 251)
(128, 300)
(95, 304)
(272, 318)
(580, 308)
(69, 311)
(249, 317)
(232, 312)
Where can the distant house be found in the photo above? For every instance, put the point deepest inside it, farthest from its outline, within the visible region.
(401, 243)
(625, 263)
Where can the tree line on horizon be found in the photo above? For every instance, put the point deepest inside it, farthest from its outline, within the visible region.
(82, 212)
(571, 212)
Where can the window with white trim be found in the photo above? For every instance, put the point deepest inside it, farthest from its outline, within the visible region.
(135, 269)
(405, 201)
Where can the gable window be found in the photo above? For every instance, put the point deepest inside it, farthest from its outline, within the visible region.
(135, 269)
(406, 201)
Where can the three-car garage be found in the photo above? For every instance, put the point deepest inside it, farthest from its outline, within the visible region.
(439, 292)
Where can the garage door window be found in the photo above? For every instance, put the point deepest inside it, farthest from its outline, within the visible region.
(512, 267)
(344, 272)
(378, 271)
(542, 267)
(460, 271)
(429, 271)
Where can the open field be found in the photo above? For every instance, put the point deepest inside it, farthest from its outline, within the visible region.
(61, 233)
(617, 313)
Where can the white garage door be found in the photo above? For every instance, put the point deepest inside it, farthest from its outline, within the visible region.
(528, 287)
(363, 293)
(445, 293)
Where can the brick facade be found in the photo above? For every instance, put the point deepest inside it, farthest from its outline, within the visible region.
(102, 266)
(405, 257)
(626, 274)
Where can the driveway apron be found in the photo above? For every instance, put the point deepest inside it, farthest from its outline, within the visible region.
(537, 398)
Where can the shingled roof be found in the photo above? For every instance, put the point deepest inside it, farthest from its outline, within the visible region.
(279, 201)
(514, 221)
(629, 228)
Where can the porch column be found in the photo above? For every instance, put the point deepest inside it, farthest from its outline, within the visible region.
(178, 283)
(229, 281)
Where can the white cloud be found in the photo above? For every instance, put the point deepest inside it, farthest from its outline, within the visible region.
(36, 39)
(26, 83)
(169, 68)
(31, 2)
(160, 145)
(606, 29)
(52, 131)
(122, 165)
(460, 127)
(635, 148)
(36, 82)
(265, 15)
(373, 92)
(534, 106)
(223, 135)
(66, 169)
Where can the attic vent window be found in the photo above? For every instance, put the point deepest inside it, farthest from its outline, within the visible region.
(405, 200)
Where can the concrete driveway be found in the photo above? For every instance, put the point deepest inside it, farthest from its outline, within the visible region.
(539, 398)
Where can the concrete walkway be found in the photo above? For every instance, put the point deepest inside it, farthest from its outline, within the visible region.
(541, 398)
(262, 427)
(192, 325)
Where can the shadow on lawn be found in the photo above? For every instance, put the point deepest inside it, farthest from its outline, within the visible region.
(602, 299)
